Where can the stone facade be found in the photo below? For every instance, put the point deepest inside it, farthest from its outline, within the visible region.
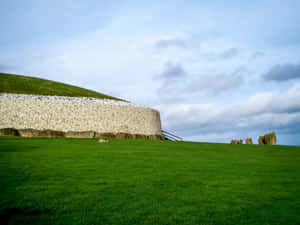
(73, 114)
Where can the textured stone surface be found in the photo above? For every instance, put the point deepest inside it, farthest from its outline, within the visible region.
(65, 114)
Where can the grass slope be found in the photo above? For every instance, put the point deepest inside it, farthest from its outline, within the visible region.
(73, 181)
(18, 84)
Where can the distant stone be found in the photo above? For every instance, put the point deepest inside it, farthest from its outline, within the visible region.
(268, 139)
(273, 138)
(261, 140)
(249, 141)
(236, 142)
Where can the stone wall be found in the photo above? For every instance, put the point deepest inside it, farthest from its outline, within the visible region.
(77, 114)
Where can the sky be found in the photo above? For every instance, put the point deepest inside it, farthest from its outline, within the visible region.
(215, 70)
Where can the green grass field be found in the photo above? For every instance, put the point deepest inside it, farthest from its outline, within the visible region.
(18, 84)
(81, 181)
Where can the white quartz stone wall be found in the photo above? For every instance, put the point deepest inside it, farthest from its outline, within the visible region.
(76, 114)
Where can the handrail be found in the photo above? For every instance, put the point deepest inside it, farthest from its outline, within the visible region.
(169, 138)
(172, 137)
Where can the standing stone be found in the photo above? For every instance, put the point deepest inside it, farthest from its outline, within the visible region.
(261, 140)
(249, 141)
(273, 138)
(236, 142)
(268, 139)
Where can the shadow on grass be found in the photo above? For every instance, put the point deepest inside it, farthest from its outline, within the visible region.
(12, 148)
(25, 215)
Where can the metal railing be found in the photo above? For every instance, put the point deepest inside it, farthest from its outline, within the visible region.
(170, 136)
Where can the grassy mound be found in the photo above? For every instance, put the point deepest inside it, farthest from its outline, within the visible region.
(73, 181)
(18, 84)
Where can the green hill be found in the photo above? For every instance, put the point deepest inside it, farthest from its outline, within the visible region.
(81, 181)
(18, 84)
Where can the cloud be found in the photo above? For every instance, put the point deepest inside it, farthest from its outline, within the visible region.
(168, 42)
(172, 71)
(215, 83)
(177, 85)
(256, 115)
(213, 50)
(257, 54)
(172, 78)
(283, 72)
(229, 53)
